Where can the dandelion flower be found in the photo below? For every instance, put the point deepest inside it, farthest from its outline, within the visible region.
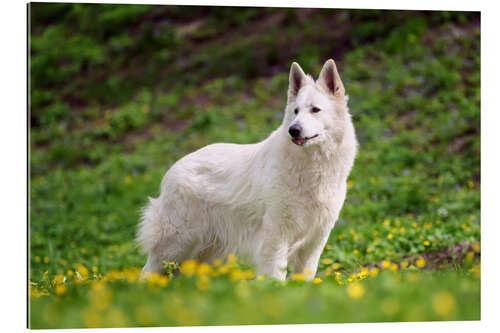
(60, 289)
(386, 264)
(420, 263)
(469, 256)
(355, 291)
(298, 277)
(476, 247)
(443, 303)
(188, 267)
(427, 243)
(317, 280)
(204, 269)
(82, 272)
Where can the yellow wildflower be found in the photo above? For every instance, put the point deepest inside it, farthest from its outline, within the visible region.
(58, 279)
(469, 256)
(420, 263)
(82, 272)
(260, 278)
(393, 267)
(236, 274)
(476, 270)
(350, 184)
(317, 280)
(390, 236)
(355, 291)
(427, 243)
(307, 271)
(443, 303)
(476, 247)
(204, 269)
(60, 289)
(188, 267)
(386, 264)
(374, 272)
(298, 277)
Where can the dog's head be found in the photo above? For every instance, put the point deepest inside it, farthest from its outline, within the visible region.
(316, 111)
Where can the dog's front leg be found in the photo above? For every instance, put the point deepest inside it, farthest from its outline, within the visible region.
(308, 257)
(272, 250)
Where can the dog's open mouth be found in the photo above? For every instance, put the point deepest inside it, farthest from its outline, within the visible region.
(301, 141)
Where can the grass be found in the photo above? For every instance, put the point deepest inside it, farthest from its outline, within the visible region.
(99, 147)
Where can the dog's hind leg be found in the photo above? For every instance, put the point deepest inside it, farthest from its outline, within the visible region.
(154, 264)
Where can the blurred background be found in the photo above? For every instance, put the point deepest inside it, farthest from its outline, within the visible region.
(120, 92)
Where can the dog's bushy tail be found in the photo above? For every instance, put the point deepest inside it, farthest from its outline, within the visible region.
(150, 229)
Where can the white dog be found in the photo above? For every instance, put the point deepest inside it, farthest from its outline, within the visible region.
(273, 202)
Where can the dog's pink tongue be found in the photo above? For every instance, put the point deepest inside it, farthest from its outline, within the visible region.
(299, 141)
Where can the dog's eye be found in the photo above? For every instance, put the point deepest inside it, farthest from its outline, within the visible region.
(315, 109)
(296, 110)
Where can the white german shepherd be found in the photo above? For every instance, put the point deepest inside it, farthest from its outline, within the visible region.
(273, 202)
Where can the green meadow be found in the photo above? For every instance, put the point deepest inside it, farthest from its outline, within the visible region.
(120, 92)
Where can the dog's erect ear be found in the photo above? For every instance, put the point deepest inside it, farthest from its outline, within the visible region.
(296, 81)
(329, 79)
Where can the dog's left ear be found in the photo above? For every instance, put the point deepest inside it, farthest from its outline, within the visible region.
(329, 79)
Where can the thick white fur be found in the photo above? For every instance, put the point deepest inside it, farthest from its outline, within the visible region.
(273, 202)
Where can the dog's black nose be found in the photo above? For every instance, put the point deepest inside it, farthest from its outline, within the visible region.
(295, 130)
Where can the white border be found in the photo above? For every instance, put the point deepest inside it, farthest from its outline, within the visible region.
(13, 172)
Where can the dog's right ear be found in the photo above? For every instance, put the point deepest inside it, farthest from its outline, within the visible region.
(297, 79)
